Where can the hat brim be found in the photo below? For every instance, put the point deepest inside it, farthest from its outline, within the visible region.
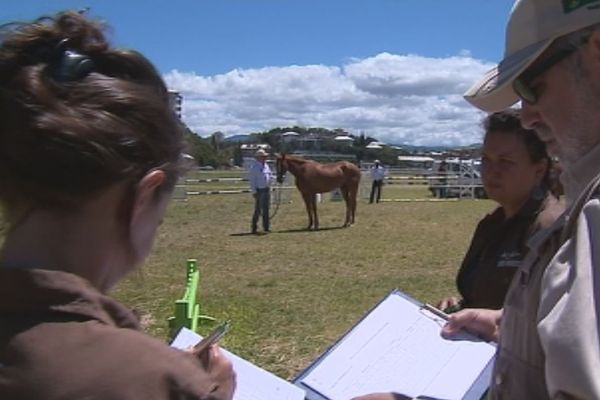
(494, 92)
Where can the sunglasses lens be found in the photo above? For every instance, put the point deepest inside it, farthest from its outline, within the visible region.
(524, 92)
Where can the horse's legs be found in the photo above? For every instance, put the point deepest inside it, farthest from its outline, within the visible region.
(308, 199)
(344, 190)
(314, 210)
(353, 193)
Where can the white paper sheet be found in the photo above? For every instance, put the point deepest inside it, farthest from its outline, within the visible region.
(253, 382)
(398, 348)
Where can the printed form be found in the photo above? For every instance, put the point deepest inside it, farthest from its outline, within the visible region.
(252, 382)
(397, 348)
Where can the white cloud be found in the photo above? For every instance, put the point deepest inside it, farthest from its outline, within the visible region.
(394, 98)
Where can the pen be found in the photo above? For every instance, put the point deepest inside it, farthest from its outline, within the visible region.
(435, 311)
(212, 338)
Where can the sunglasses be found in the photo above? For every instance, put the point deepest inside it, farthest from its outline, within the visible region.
(522, 85)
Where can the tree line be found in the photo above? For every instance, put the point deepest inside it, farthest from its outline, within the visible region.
(218, 152)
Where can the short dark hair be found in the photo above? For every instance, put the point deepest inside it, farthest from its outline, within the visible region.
(509, 121)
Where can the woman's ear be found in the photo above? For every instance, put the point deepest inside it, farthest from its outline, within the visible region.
(148, 207)
(146, 192)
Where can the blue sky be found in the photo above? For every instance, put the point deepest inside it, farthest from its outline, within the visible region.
(392, 69)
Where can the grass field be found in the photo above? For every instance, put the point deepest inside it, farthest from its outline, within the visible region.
(291, 293)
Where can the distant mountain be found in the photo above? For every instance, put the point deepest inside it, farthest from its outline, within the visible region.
(237, 138)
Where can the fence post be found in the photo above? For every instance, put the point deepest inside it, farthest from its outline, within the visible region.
(187, 309)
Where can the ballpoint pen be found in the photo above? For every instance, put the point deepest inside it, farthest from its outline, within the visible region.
(437, 312)
(212, 338)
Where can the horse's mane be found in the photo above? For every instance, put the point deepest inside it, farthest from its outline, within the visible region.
(296, 159)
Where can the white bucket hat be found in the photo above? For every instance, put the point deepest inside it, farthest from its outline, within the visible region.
(261, 153)
(532, 27)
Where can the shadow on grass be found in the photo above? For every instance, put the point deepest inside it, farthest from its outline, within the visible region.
(329, 228)
(300, 230)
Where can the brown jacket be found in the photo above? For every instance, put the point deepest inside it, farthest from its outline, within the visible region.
(62, 339)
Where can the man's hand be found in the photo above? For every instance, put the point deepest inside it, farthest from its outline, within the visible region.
(478, 321)
(448, 302)
(254, 194)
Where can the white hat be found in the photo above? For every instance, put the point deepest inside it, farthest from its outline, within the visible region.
(376, 161)
(261, 153)
(532, 27)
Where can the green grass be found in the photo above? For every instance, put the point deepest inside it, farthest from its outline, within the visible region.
(290, 294)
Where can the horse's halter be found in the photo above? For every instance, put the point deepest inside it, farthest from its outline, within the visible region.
(281, 167)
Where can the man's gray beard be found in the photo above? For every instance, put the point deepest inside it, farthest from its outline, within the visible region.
(584, 128)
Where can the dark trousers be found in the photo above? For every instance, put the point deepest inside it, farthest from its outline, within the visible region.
(443, 189)
(376, 188)
(262, 202)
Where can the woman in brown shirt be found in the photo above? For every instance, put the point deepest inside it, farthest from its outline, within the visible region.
(515, 174)
(90, 151)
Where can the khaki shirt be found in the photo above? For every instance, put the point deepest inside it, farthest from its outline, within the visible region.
(549, 341)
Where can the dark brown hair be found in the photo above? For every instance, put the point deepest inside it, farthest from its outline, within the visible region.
(62, 139)
(509, 122)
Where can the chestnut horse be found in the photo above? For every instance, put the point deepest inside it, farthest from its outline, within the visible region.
(313, 177)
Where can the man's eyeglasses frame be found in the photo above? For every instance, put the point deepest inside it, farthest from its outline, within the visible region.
(522, 84)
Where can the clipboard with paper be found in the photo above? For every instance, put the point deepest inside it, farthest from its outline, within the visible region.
(396, 347)
(252, 382)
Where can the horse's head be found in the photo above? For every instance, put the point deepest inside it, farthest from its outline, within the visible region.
(281, 167)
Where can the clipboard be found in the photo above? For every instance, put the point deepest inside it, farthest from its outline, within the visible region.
(396, 347)
(252, 382)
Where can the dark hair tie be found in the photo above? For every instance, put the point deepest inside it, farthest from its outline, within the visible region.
(68, 65)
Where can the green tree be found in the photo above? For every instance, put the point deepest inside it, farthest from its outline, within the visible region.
(216, 139)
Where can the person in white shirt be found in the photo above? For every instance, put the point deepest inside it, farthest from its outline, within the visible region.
(260, 177)
(377, 176)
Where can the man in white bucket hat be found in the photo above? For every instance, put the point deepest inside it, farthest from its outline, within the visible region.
(377, 173)
(548, 332)
(260, 177)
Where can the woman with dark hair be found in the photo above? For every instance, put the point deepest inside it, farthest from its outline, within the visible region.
(515, 174)
(90, 152)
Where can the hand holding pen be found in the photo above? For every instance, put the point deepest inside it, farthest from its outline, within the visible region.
(216, 363)
(203, 347)
(211, 338)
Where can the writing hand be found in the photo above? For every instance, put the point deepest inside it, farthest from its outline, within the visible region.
(220, 371)
(478, 321)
